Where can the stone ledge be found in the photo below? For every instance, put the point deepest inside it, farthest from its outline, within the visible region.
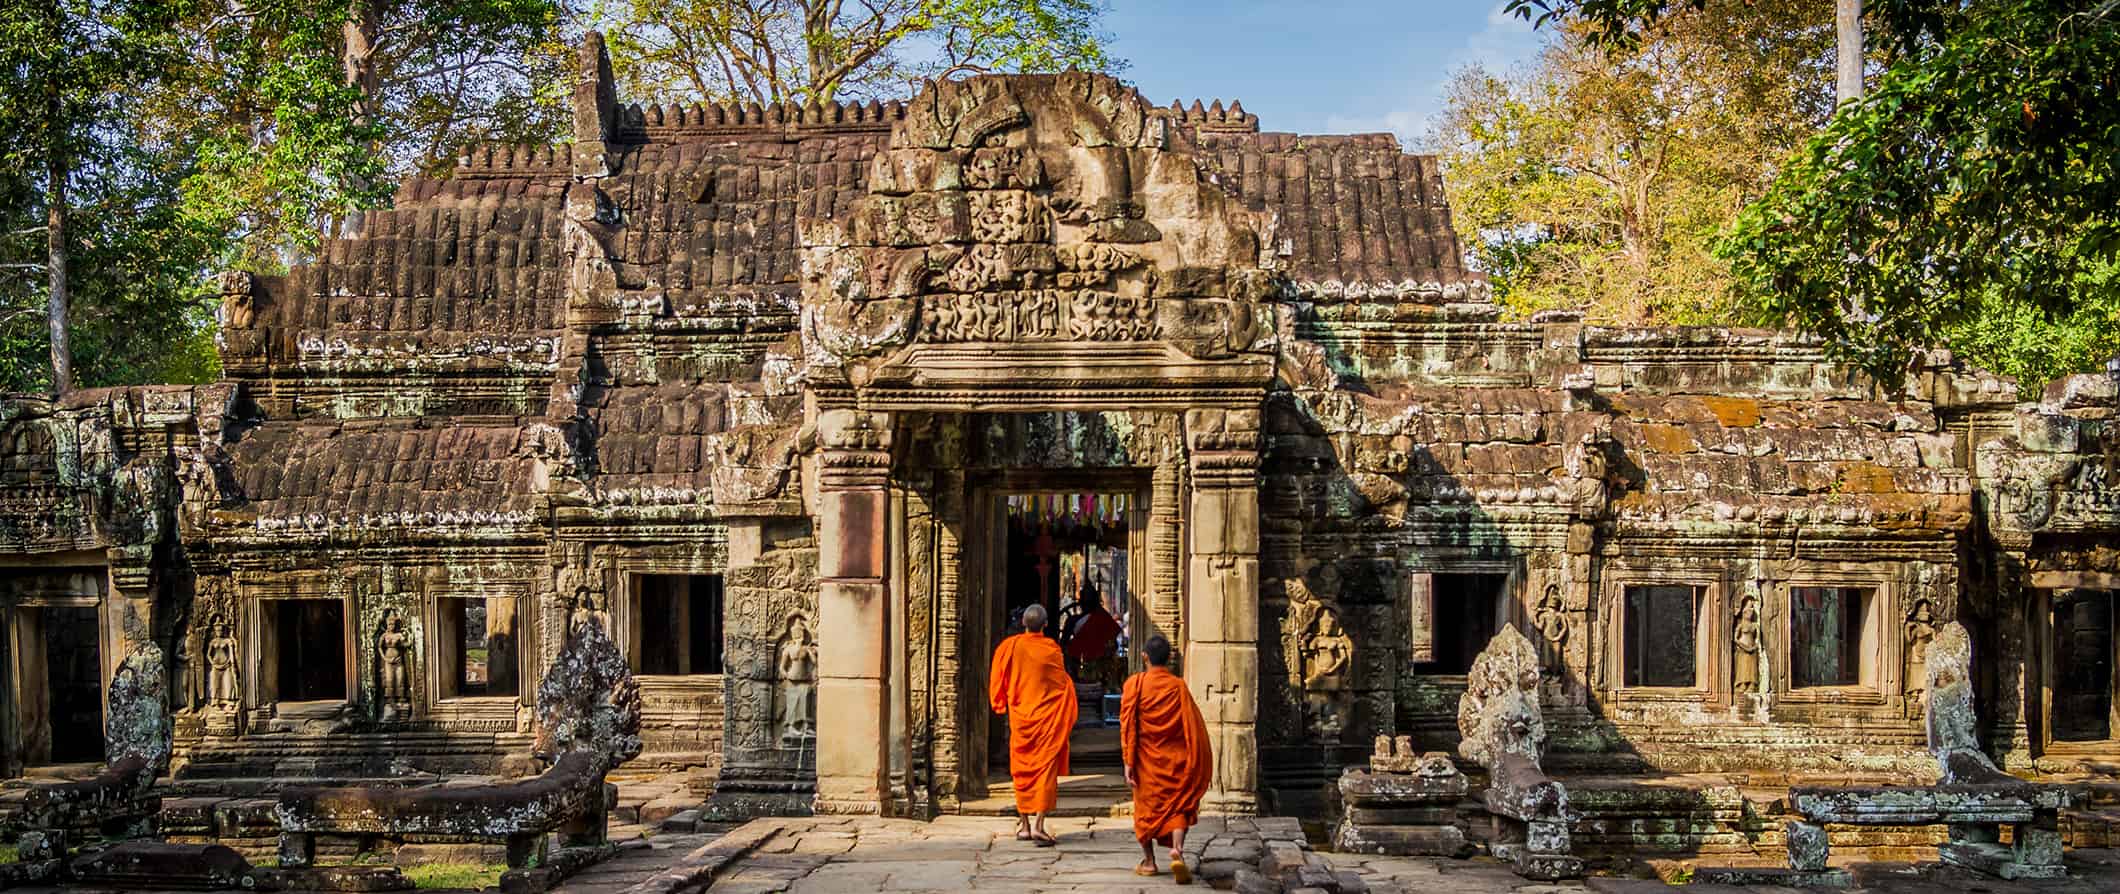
(700, 868)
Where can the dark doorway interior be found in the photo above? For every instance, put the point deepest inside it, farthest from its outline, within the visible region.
(1070, 551)
(1468, 613)
(310, 636)
(2083, 666)
(680, 624)
(74, 675)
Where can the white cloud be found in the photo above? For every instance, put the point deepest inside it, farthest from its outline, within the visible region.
(1502, 41)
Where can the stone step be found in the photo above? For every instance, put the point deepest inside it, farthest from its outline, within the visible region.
(1068, 806)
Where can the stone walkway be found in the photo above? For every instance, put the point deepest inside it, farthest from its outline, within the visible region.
(838, 855)
(638, 860)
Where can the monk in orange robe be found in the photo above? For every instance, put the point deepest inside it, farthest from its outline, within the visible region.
(1169, 764)
(1029, 683)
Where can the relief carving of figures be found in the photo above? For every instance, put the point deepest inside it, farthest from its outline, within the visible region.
(751, 463)
(222, 691)
(1552, 619)
(798, 682)
(1920, 632)
(587, 607)
(1324, 654)
(1745, 637)
(238, 308)
(394, 650)
(1588, 465)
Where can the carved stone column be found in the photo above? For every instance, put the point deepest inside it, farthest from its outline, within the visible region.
(853, 599)
(1222, 597)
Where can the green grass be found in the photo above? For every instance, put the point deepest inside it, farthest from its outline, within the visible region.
(8, 854)
(454, 875)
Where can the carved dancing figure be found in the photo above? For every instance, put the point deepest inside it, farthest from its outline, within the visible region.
(798, 682)
(395, 649)
(222, 692)
(1746, 638)
(1326, 655)
(1553, 623)
(588, 609)
(1920, 631)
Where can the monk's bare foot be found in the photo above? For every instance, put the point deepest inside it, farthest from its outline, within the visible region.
(1145, 867)
(1179, 872)
(1023, 831)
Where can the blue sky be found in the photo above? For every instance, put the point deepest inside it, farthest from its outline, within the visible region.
(1318, 66)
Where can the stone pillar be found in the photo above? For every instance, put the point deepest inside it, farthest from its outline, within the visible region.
(1222, 597)
(853, 600)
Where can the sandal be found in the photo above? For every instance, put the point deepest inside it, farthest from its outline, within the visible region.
(1045, 841)
(1180, 873)
(1145, 869)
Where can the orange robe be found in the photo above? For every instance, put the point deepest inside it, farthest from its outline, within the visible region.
(1029, 683)
(1164, 739)
(1094, 636)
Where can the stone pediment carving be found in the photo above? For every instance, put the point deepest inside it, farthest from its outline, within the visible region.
(1051, 225)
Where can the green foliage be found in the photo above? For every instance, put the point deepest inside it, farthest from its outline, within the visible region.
(1970, 199)
(213, 134)
(2017, 339)
(1598, 179)
(295, 128)
(75, 71)
(769, 51)
(204, 135)
(1612, 23)
(272, 127)
(1974, 192)
(426, 876)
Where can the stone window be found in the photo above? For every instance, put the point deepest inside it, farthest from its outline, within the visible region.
(479, 646)
(677, 622)
(1832, 636)
(2082, 676)
(1659, 644)
(1466, 611)
(303, 655)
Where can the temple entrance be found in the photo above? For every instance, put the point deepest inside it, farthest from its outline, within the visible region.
(1074, 543)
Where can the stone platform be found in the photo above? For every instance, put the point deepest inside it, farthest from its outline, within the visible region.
(958, 854)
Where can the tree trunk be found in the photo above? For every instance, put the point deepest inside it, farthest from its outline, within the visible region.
(56, 175)
(363, 28)
(361, 31)
(1847, 21)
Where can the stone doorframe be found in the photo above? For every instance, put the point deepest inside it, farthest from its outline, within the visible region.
(857, 555)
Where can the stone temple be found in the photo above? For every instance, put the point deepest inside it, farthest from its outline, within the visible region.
(800, 404)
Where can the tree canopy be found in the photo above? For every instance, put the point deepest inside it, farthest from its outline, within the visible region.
(1969, 199)
(770, 51)
(192, 136)
(1598, 179)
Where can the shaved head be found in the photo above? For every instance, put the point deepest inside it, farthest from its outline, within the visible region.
(1034, 618)
(1157, 651)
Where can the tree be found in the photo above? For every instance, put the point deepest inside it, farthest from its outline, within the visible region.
(304, 112)
(1847, 55)
(73, 158)
(1976, 188)
(1971, 198)
(771, 51)
(1598, 177)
